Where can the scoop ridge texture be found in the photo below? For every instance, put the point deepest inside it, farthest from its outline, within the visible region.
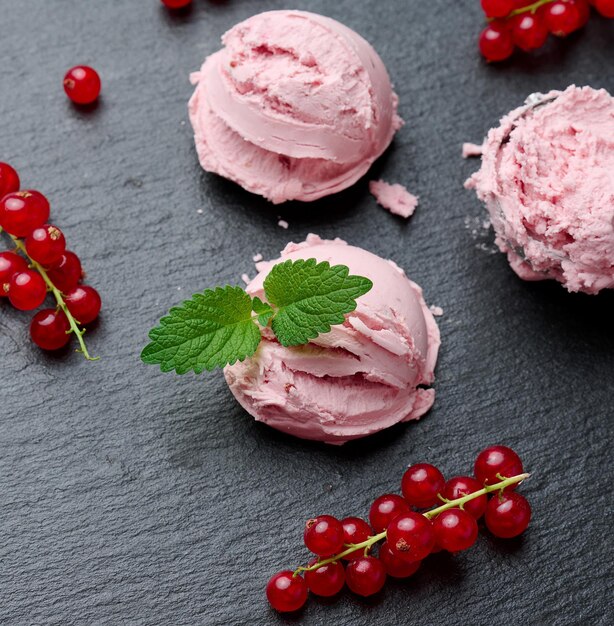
(547, 179)
(365, 375)
(295, 106)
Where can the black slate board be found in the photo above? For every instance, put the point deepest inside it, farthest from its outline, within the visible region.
(133, 497)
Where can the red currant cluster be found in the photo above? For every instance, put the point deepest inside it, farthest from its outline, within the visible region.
(43, 265)
(526, 23)
(409, 536)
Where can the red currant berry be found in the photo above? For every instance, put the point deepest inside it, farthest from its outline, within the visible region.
(605, 7)
(365, 576)
(396, 566)
(82, 84)
(66, 273)
(421, 483)
(323, 535)
(49, 329)
(286, 592)
(497, 8)
(410, 536)
(27, 290)
(507, 515)
(529, 32)
(327, 580)
(455, 530)
(562, 18)
(460, 486)
(176, 4)
(9, 180)
(84, 304)
(497, 461)
(46, 244)
(496, 43)
(584, 9)
(10, 264)
(355, 530)
(23, 211)
(385, 509)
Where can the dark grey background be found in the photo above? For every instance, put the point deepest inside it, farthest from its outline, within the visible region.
(132, 497)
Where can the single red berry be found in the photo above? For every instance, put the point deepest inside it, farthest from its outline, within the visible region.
(355, 530)
(27, 290)
(421, 483)
(496, 43)
(9, 180)
(497, 8)
(10, 264)
(365, 576)
(385, 509)
(562, 18)
(529, 31)
(23, 211)
(605, 7)
(455, 530)
(507, 515)
(397, 566)
(176, 4)
(46, 244)
(460, 486)
(82, 84)
(84, 303)
(323, 535)
(66, 273)
(410, 536)
(327, 580)
(49, 329)
(497, 461)
(286, 592)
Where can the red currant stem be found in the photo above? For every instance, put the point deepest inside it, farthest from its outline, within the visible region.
(450, 504)
(74, 324)
(530, 8)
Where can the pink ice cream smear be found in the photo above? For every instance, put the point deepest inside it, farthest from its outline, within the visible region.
(295, 106)
(547, 179)
(395, 198)
(371, 372)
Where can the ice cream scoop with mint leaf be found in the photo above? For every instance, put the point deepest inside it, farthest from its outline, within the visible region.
(329, 342)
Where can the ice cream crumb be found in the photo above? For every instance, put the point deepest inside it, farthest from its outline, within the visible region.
(245, 278)
(471, 150)
(437, 311)
(257, 258)
(283, 224)
(395, 198)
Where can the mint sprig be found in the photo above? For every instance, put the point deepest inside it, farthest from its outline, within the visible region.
(222, 326)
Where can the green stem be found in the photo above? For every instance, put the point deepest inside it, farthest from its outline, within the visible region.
(530, 8)
(459, 502)
(59, 298)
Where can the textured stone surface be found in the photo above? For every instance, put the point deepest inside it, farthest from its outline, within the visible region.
(133, 497)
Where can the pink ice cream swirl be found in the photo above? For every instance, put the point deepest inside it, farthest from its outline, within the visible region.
(295, 106)
(365, 375)
(547, 179)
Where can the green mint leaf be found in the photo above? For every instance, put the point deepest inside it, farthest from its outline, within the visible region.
(264, 310)
(213, 329)
(310, 298)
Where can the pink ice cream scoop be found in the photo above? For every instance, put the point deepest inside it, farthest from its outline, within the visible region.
(363, 376)
(296, 106)
(547, 179)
